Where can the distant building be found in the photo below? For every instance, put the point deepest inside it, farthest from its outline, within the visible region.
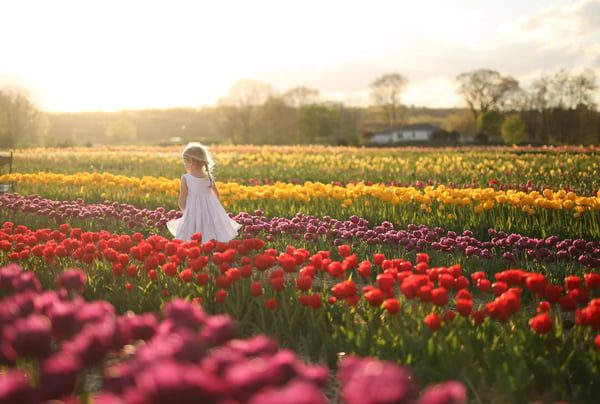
(419, 132)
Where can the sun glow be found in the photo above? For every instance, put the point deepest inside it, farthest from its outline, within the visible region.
(83, 56)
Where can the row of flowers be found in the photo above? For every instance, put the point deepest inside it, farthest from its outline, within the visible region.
(410, 308)
(317, 163)
(439, 197)
(192, 261)
(52, 342)
(353, 231)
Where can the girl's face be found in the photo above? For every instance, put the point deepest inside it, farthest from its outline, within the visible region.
(188, 164)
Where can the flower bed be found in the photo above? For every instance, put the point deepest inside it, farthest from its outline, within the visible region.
(428, 317)
(56, 346)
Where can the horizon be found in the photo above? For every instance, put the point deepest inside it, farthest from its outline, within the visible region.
(113, 56)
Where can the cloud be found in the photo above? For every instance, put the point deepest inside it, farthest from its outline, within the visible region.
(572, 27)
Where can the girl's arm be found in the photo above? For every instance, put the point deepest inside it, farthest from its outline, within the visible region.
(215, 190)
(183, 191)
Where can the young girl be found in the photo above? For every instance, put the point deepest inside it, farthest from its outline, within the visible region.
(198, 199)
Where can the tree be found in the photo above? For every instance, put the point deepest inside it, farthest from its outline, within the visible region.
(349, 125)
(485, 89)
(490, 122)
(316, 124)
(560, 107)
(462, 122)
(386, 93)
(239, 107)
(299, 96)
(275, 123)
(513, 130)
(120, 131)
(568, 90)
(21, 123)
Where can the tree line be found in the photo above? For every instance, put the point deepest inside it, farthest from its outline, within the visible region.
(556, 108)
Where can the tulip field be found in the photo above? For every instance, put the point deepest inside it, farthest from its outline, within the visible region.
(393, 275)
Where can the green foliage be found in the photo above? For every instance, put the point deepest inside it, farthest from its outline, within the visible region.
(513, 130)
(490, 122)
(316, 123)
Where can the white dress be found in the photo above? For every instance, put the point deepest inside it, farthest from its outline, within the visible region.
(204, 214)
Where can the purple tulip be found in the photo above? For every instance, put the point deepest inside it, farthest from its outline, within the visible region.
(58, 375)
(137, 327)
(552, 240)
(111, 398)
(296, 392)
(27, 281)
(485, 254)
(95, 312)
(73, 280)
(171, 382)
(371, 381)
(92, 344)
(218, 329)
(451, 392)
(25, 303)
(184, 314)
(118, 377)
(15, 388)
(63, 319)
(8, 274)
(31, 336)
(258, 345)
(509, 258)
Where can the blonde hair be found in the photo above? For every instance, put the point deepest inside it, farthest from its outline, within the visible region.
(199, 153)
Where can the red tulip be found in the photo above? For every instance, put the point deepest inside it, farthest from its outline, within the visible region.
(391, 305)
(256, 289)
(385, 281)
(202, 278)
(552, 292)
(439, 297)
(315, 301)
(478, 316)
(220, 295)
(464, 306)
(572, 282)
(271, 304)
(186, 275)
(592, 280)
(433, 321)
(541, 324)
(344, 250)
(304, 283)
(373, 296)
(498, 288)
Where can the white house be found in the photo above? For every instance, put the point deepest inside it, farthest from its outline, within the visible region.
(409, 133)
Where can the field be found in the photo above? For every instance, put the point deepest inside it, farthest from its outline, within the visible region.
(456, 274)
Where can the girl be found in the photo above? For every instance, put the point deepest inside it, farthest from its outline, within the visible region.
(198, 199)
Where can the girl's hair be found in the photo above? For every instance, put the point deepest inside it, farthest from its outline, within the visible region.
(199, 153)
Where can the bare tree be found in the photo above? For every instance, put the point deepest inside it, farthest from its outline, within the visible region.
(485, 89)
(240, 105)
(300, 96)
(21, 123)
(568, 90)
(386, 92)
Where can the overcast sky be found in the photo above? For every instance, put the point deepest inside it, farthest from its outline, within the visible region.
(87, 55)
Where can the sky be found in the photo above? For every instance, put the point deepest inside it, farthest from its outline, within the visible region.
(88, 55)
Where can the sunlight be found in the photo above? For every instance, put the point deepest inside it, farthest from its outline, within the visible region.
(79, 56)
